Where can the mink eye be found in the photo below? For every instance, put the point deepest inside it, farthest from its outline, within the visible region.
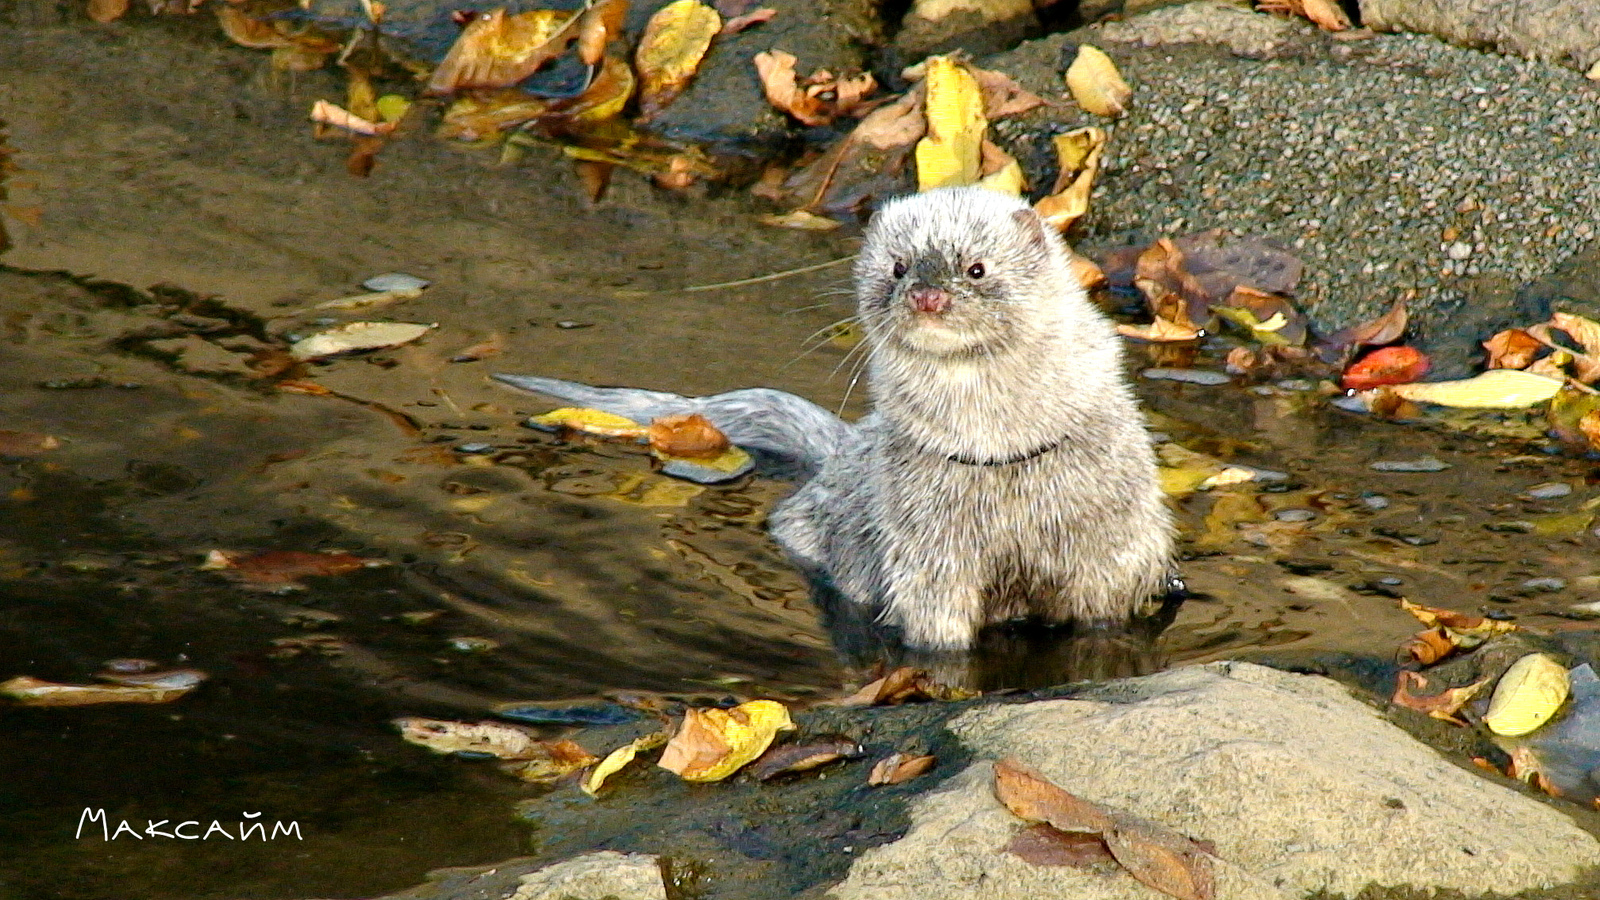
(899, 269)
(976, 270)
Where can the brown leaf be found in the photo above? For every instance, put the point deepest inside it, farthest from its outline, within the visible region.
(789, 759)
(1031, 796)
(1164, 860)
(736, 24)
(1428, 647)
(26, 443)
(600, 24)
(247, 30)
(497, 50)
(691, 437)
(1161, 330)
(1001, 95)
(30, 691)
(712, 744)
(820, 100)
(1170, 291)
(1466, 629)
(1042, 845)
(1078, 156)
(1385, 329)
(286, 567)
(903, 685)
(1443, 705)
(104, 11)
(899, 768)
(489, 346)
(870, 163)
(1512, 349)
(594, 176)
(1589, 427)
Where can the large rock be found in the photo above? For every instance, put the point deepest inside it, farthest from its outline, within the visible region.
(1300, 786)
(1561, 31)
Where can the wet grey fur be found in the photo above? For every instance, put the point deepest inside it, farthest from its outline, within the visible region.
(1004, 471)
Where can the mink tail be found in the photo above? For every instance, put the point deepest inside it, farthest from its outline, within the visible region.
(790, 436)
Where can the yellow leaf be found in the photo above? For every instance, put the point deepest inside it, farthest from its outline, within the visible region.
(674, 42)
(1494, 389)
(392, 107)
(498, 50)
(1007, 180)
(715, 743)
(1528, 694)
(1078, 153)
(1096, 84)
(618, 758)
(590, 421)
(952, 151)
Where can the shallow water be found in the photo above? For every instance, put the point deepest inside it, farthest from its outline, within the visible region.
(587, 572)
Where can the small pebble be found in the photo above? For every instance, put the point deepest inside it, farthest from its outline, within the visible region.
(1513, 527)
(1374, 501)
(1549, 490)
(568, 324)
(1545, 585)
(475, 448)
(395, 281)
(1391, 581)
(1191, 376)
(1295, 515)
(473, 644)
(1425, 464)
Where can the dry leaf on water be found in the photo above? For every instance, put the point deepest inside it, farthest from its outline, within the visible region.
(248, 31)
(689, 437)
(951, 153)
(675, 40)
(1385, 329)
(598, 26)
(497, 50)
(1428, 647)
(589, 421)
(868, 164)
(487, 738)
(1096, 84)
(1161, 330)
(790, 759)
(712, 744)
(1528, 695)
(903, 685)
(1465, 629)
(1386, 365)
(1494, 389)
(331, 114)
(1078, 156)
(899, 768)
(550, 762)
(149, 687)
(820, 99)
(1443, 705)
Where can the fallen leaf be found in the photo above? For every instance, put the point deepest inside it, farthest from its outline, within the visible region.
(689, 437)
(1161, 330)
(712, 744)
(1527, 696)
(551, 761)
(1031, 796)
(1325, 14)
(1587, 333)
(242, 28)
(492, 345)
(594, 176)
(1078, 156)
(1589, 427)
(30, 691)
(285, 567)
(1465, 629)
(302, 56)
(103, 11)
(26, 443)
(903, 685)
(372, 300)
(1088, 274)
(487, 738)
(736, 24)
(1386, 365)
(870, 164)
(1044, 845)
(1512, 349)
(899, 768)
(1096, 84)
(820, 100)
(1494, 389)
(1002, 96)
(790, 759)
(619, 758)
(1443, 706)
(497, 50)
(1428, 647)
(675, 40)
(589, 421)
(598, 26)
(800, 220)
(951, 152)
(481, 115)
(356, 337)
(1166, 861)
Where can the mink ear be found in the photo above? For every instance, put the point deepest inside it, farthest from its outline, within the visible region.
(1033, 227)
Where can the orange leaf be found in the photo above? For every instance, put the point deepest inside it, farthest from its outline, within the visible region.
(1512, 349)
(497, 50)
(898, 768)
(1386, 365)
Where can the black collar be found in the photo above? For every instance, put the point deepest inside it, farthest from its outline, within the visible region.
(1009, 460)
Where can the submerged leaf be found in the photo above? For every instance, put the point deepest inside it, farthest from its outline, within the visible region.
(497, 50)
(30, 691)
(487, 738)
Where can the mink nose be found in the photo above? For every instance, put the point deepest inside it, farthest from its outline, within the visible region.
(928, 299)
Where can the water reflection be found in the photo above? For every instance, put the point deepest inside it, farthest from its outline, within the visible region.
(1020, 655)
